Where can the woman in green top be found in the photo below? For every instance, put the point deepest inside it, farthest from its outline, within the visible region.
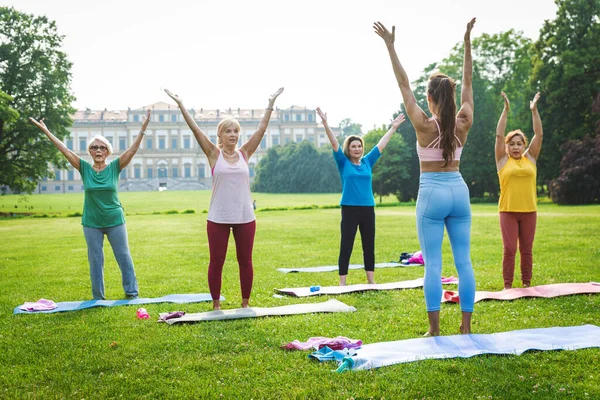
(102, 211)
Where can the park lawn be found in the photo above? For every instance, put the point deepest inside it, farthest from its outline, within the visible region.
(106, 353)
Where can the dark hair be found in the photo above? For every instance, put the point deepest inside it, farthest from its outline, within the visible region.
(442, 90)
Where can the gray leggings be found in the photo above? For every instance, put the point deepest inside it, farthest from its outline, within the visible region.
(117, 237)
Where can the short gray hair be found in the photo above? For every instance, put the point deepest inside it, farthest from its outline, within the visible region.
(104, 141)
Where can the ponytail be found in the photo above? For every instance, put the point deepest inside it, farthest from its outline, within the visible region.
(442, 91)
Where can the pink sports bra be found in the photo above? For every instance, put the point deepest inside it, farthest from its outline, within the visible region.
(433, 152)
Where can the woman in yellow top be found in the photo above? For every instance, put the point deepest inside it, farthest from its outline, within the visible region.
(518, 197)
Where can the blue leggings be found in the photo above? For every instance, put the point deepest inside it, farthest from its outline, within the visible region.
(444, 201)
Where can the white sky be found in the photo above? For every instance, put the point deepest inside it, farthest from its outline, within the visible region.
(235, 53)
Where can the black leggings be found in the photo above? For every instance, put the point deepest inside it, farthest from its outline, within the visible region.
(362, 217)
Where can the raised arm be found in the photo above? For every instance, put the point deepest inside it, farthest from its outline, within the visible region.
(388, 135)
(467, 106)
(538, 133)
(500, 148)
(70, 155)
(209, 148)
(415, 113)
(251, 145)
(335, 145)
(125, 158)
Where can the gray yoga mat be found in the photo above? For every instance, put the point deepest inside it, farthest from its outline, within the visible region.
(330, 268)
(330, 306)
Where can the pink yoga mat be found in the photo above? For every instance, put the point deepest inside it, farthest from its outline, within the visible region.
(554, 290)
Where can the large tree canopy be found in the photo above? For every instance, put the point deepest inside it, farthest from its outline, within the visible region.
(35, 74)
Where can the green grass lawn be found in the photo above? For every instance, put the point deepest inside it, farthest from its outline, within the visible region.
(104, 353)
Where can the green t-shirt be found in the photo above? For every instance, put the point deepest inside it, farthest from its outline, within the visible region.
(101, 205)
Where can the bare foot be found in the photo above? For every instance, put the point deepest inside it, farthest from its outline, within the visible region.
(465, 331)
(216, 305)
(429, 334)
(245, 303)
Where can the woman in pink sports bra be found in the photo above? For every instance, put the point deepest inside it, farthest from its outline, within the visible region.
(230, 207)
(443, 200)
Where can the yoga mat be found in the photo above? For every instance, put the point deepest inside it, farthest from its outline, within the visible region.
(253, 312)
(547, 291)
(362, 287)
(80, 305)
(377, 355)
(329, 268)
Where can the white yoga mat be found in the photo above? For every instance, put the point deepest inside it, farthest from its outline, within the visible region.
(329, 306)
(377, 355)
(362, 287)
(330, 268)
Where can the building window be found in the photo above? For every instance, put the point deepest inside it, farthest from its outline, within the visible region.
(137, 172)
(44, 188)
(187, 170)
(136, 118)
(149, 143)
(213, 139)
(174, 118)
(70, 187)
(310, 118)
(263, 143)
(298, 117)
(57, 188)
(149, 173)
(161, 143)
(122, 144)
(251, 170)
(161, 118)
(287, 140)
(275, 140)
(298, 138)
(123, 174)
(109, 140)
(286, 117)
(173, 143)
(201, 171)
(175, 172)
(162, 172)
(71, 175)
(58, 176)
(82, 144)
(186, 142)
(70, 143)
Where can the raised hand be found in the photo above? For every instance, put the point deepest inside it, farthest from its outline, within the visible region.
(173, 96)
(533, 103)
(398, 121)
(145, 121)
(506, 102)
(274, 96)
(40, 124)
(387, 36)
(322, 115)
(469, 27)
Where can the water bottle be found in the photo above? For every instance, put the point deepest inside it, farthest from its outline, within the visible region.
(315, 288)
(142, 313)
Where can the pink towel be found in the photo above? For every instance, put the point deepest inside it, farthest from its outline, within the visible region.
(336, 343)
(40, 305)
(417, 258)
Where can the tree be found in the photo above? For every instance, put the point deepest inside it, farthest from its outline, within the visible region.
(349, 128)
(391, 168)
(567, 72)
(35, 73)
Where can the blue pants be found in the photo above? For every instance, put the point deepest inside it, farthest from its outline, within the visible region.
(117, 237)
(444, 201)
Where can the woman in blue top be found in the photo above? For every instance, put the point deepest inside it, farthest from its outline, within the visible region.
(102, 211)
(358, 203)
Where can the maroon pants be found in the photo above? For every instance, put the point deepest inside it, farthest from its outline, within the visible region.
(218, 238)
(517, 227)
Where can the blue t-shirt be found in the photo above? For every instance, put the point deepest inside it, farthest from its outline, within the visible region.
(357, 180)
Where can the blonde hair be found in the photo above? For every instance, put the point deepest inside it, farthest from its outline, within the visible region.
(222, 127)
(514, 133)
(102, 140)
(350, 139)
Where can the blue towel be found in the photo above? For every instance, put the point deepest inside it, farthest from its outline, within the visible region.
(80, 305)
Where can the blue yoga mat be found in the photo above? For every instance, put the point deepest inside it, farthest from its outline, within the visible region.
(81, 305)
(377, 355)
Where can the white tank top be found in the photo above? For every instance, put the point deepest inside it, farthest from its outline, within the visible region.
(231, 201)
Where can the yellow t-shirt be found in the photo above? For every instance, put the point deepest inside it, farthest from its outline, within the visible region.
(517, 186)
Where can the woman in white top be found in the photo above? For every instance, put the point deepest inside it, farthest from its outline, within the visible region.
(231, 203)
